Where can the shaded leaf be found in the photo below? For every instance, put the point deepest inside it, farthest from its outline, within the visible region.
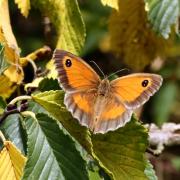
(121, 152)
(132, 40)
(162, 14)
(2, 103)
(14, 131)
(111, 3)
(3, 63)
(49, 84)
(52, 101)
(52, 154)
(11, 162)
(66, 17)
(24, 6)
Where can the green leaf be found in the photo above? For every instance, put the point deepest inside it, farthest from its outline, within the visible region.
(166, 96)
(149, 171)
(162, 14)
(3, 63)
(121, 152)
(52, 101)
(111, 3)
(48, 84)
(51, 153)
(66, 17)
(14, 131)
(2, 105)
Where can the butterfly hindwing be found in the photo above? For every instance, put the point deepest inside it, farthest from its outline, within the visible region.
(134, 90)
(73, 73)
(81, 106)
(113, 115)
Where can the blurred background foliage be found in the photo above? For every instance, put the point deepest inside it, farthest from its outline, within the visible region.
(114, 40)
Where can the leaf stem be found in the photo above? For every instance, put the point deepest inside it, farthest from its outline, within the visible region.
(20, 98)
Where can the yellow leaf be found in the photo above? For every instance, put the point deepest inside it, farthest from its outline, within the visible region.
(39, 53)
(14, 73)
(132, 38)
(6, 26)
(111, 3)
(52, 70)
(7, 87)
(12, 162)
(9, 52)
(24, 6)
(35, 83)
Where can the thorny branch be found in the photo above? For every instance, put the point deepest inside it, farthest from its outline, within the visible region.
(167, 135)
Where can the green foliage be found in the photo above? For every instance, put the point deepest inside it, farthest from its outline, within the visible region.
(14, 131)
(52, 151)
(162, 14)
(56, 145)
(69, 24)
(48, 84)
(122, 151)
(119, 156)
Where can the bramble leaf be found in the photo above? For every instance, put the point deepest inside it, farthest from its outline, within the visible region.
(66, 17)
(162, 15)
(51, 153)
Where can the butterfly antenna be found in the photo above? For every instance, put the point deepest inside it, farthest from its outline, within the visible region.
(125, 69)
(98, 68)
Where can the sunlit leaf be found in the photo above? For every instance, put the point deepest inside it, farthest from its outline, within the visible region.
(111, 3)
(132, 40)
(7, 30)
(15, 74)
(51, 153)
(7, 87)
(121, 152)
(11, 162)
(52, 101)
(24, 6)
(66, 17)
(162, 14)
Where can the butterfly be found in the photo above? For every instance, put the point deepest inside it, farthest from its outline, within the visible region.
(101, 105)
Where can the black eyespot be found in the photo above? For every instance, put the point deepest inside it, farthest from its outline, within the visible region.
(68, 63)
(145, 83)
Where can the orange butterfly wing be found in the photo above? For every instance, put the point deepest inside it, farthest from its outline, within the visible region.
(74, 74)
(134, 90)
(113, 116)
(81, 106)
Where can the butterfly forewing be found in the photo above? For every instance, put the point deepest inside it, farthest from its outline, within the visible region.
(135, 89)
(73, 73)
